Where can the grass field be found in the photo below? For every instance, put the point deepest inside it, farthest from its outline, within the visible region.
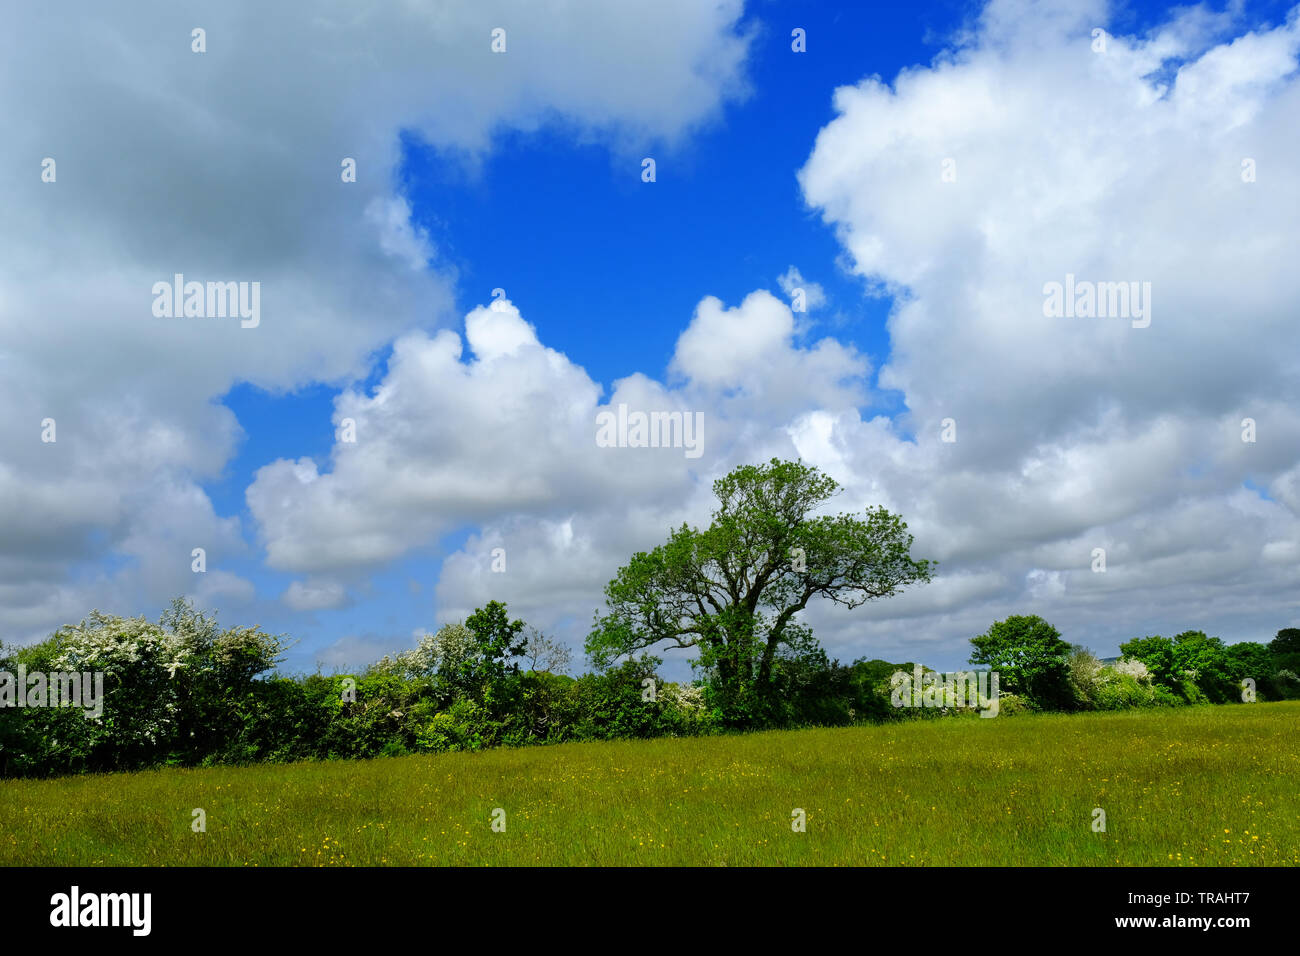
(1197, 786)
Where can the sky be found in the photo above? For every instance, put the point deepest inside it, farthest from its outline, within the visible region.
(501, 271)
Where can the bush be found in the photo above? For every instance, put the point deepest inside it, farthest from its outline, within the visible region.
(1157, 654)
(869, 685)
(611, 704)
(809, 689)
(1084, 675)
(185, 692)
(1011, 705)
(1118, 690)
(463, 726)
(1030, 657)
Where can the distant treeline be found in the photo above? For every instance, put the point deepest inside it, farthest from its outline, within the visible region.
(184, 692)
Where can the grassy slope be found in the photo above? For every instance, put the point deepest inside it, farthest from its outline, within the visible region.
(1208, 785)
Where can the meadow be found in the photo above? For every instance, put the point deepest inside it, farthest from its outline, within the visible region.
(1192, 786)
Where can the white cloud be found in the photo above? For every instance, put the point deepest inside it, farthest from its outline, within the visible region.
(397, 236)
(314, 595)
(1075, 433)
(792, 281)
(225, 165)
(509, 433)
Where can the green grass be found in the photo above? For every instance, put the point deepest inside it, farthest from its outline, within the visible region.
(1194, 786)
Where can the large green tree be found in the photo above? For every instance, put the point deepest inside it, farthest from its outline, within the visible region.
(1286, 643)
(733, 589)
(497, 640)
(1030, 656)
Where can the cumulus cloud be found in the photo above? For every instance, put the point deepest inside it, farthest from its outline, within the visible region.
(749, 351)
(1071, 434)
(227, 165)
(1120, 164)
(497, 430)
(510, 429)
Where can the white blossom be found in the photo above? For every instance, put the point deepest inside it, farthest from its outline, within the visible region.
(1132, 667)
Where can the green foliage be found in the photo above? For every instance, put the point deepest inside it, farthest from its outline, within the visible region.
(1157, 653)
(869, 684)
(1119, 691)
(810, 689)
(1206, 661)
(1201, 668)
(1282, 682)
(497, 640)
(1250, 660)
(1266, 667)
(1287, 641)
(459, 690)
(1126, 684)
(732, 590)
(215, 681)
(186, 692)
(631, 701)
(463, 726)
(1197, 668)
(1014, 705)
(1084, 675)
(1030, 657)
(173, 692)
(541, 710)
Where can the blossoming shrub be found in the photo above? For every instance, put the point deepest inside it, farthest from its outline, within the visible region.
(144, 689)
(173, 691)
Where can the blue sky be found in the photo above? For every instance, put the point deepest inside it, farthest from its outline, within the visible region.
(524, 172)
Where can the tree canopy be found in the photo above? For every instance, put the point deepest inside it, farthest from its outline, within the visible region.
(1029, 655)
(1287, 641)
(733, 590)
